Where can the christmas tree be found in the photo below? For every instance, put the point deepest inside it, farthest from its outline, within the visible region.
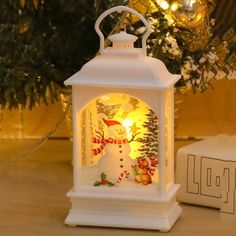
(184, 38)
(149, 141)
(44, 42)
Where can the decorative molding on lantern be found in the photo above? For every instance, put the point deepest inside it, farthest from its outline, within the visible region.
(153, 70)
(123, 137)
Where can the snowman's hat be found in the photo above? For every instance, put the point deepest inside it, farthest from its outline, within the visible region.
(111, 122)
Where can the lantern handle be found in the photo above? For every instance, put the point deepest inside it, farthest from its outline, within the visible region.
(119, 9)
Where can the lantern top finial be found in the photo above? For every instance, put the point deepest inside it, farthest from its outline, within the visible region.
(123, 40)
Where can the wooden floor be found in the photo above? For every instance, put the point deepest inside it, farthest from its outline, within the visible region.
(33, 201)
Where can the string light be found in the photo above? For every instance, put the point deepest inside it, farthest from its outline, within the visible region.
(163, 4)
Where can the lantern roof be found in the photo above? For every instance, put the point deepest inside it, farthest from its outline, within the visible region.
(132, 72)
(122, 65)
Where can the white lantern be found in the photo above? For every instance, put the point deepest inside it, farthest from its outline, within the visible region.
(123, 137)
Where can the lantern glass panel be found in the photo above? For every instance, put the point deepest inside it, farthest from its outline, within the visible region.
(118, 142)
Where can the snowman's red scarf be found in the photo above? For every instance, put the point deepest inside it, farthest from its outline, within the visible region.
(103, 142)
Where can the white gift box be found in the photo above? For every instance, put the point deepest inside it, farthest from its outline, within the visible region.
(206, 171)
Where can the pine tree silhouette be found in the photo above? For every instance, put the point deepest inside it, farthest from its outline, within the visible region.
(150, 139)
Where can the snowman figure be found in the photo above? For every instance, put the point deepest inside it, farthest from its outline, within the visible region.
(116, 162)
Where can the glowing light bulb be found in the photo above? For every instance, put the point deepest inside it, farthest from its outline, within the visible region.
(174, 6)
(190, 3)
(127, 123)
(163, 4)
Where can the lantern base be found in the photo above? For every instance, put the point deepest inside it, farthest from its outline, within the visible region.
(144, 211)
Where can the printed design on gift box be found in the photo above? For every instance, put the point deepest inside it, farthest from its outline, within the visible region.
(202, 176)
(123, 139)
(213, 178)
(192, 177)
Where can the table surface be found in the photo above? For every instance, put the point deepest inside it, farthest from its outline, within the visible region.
(33, 197)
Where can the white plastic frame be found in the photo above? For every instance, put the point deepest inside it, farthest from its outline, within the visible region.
(119, 9)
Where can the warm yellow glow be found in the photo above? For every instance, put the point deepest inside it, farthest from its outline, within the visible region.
(190, 3)
(129, 111)
(174, 6)
(127, 123)
(199, 17)
(163, 4)
(132, 115)
(169, 18)
(105, 98)
(134, 127)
